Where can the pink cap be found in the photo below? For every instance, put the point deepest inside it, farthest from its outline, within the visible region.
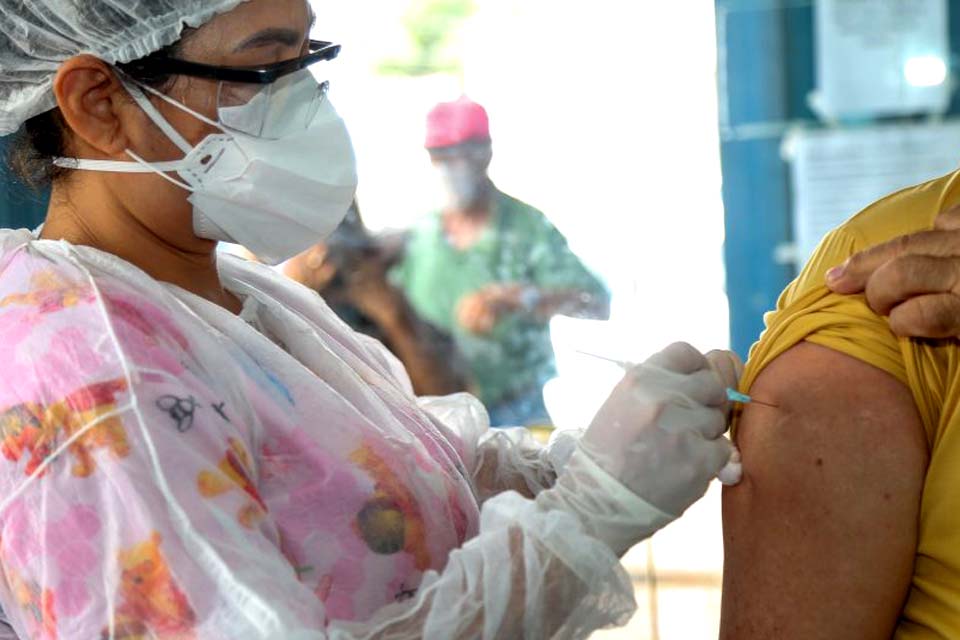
(452, 123)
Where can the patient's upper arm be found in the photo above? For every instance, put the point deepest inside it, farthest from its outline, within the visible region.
(820, 537)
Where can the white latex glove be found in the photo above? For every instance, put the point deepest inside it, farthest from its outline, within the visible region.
(729, 367)
(652, 449)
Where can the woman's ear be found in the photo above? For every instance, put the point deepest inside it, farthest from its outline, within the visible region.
(92, 102)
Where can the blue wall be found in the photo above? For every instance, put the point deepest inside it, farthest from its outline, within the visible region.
(19, 206)
(766, 54)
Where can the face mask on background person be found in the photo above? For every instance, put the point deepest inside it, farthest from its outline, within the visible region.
(278, 180)
(463, 184)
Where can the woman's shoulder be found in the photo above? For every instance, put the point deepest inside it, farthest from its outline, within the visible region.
(45, 279)
(62, 325)
(38, 283)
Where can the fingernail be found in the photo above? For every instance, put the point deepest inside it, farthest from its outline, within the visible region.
(836, 273)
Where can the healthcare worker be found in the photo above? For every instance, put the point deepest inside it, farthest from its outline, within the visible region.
(195, 448)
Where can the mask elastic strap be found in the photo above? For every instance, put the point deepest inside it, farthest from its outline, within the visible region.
(136, 91)
(173, 103)
(112, 166)
(154, 114)
(158, 168)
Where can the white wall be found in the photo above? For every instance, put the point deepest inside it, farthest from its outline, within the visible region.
(604, 115)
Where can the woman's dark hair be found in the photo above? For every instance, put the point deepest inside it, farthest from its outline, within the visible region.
(44, 137)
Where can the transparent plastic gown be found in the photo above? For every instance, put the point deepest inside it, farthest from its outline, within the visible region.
(170, 470)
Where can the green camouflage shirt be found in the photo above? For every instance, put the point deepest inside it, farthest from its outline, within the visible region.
(519, 246)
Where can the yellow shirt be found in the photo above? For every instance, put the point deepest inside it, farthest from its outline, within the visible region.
(808, 311)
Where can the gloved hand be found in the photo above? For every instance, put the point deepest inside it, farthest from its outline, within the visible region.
(729, 367)
(652, 449)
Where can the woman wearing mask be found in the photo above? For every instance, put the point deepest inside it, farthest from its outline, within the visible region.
(194, 449)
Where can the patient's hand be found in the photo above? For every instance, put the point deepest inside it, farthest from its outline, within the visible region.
(915, 280)
(820, 536)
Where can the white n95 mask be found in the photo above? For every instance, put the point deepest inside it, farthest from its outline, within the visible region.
(276, 196)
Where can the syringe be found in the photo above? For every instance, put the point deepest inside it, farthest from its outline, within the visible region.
(732, 394)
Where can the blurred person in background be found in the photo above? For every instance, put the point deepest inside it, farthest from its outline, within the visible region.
(349, 271)
(492, 271)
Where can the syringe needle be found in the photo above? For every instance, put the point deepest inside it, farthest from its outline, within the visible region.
(732, 394)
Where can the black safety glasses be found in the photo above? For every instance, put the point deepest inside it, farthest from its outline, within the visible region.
(152, 67)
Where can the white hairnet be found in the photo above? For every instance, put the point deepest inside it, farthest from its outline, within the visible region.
(36, 36)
